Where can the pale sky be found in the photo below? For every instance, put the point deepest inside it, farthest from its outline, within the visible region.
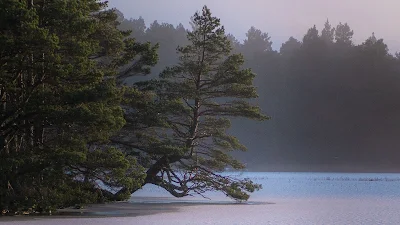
(279, 18)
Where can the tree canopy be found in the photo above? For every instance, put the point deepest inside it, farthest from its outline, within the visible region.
(186, 142)
(69, 110)
(60, 103)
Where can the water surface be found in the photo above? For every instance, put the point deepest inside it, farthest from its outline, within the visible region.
(286, 198)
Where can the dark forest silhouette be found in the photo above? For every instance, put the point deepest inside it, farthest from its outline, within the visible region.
(334, 104)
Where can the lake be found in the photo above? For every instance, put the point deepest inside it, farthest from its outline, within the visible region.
(286, 198)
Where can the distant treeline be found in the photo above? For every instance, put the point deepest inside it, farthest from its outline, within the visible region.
(331, 101)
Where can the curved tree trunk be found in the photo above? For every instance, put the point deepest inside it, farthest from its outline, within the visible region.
(151, 178)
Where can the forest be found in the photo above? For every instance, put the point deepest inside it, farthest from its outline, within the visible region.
(75, 131)
(95, 105)
(333, 102)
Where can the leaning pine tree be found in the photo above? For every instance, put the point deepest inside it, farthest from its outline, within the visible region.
(183, 140)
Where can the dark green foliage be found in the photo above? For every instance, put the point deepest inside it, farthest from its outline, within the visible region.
(60, 103)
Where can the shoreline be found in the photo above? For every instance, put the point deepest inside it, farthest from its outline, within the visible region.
(112, 209)
(135, 207)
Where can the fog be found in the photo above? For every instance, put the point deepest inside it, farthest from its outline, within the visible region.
(333, 99)
(279, 18)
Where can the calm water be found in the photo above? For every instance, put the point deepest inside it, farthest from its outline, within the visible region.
(286, 198)
(321, 185)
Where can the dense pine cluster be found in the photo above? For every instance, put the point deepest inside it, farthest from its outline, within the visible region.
(75, 130)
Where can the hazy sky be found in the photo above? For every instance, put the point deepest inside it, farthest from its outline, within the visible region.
(280, 18)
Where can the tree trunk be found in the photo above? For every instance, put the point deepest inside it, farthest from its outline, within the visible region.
(151, 177)
(3, 99)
